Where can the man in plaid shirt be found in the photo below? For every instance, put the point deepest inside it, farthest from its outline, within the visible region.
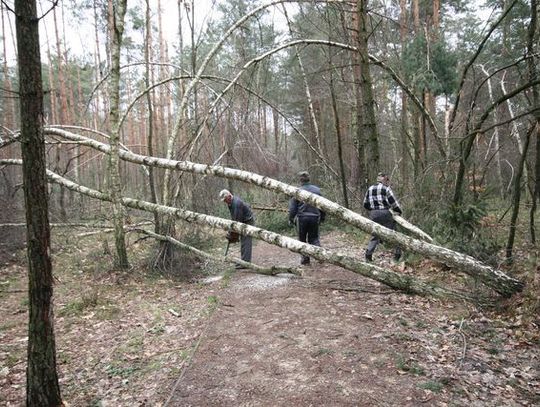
(379, 199)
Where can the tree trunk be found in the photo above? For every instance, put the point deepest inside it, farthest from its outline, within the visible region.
(404, 120)
(517, 196)
(42, 388)
(368, 103)
(340, 148)
(359, 137)
(313, 118)
(532, 43)
(115, 184)
(494, 140)
(149, 101)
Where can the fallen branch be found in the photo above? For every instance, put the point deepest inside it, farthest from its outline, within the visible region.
(268, 208)
(272, 271)
(410, 227)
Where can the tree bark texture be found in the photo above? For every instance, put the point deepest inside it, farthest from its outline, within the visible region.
(532, 51)
(42, 388)
(369, 123)
(115, 185)
(516, 197)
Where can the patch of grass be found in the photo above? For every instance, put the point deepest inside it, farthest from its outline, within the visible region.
(402, 336)
(120, 371)
(95, 403)
(157, 329)
(493, 351)
(184, 354)
(432, 385)
(14, 357)
(350, 353)
(421, 324)
(409, 366)
(321, 352)
(388, 311)
(5, 286)
(135, 343)
(225, 281)
(514, 382)
(78, 306)
(212, 300)
(152, 367)
(8, 325)
(108, 312)
(63, 357)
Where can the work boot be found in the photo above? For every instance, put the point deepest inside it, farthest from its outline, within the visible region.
(305, 261)
(397, 257)
(369, 257)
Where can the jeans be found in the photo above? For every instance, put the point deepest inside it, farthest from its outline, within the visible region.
(382, 217)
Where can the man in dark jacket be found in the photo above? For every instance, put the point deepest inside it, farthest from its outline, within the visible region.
(240, 212)
(379, 199)
(305, 216)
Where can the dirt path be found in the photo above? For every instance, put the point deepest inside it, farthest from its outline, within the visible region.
(330, 338)
(337, 339)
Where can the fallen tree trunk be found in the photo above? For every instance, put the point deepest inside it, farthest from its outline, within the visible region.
(392, 279)
(496, 279)
(410, 227)
(272, 271)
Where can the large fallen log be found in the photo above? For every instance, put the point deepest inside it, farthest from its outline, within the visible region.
(390, 278)
(269, 271)
(496, 279)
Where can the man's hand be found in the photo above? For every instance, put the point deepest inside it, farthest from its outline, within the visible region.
(291, 223)
(232, 237)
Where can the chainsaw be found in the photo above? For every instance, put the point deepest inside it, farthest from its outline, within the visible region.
(232, 237)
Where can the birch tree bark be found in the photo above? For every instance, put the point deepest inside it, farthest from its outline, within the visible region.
(150, 109)
(494, 138)
(115, 185)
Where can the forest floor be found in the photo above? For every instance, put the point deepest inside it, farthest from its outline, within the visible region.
(234, 338)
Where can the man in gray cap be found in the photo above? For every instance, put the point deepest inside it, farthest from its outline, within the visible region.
(379, 199)
(306, 217)
(240, 212)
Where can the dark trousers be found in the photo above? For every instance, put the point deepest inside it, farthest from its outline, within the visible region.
(382, 217)
(308, 232)
(246, 244)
